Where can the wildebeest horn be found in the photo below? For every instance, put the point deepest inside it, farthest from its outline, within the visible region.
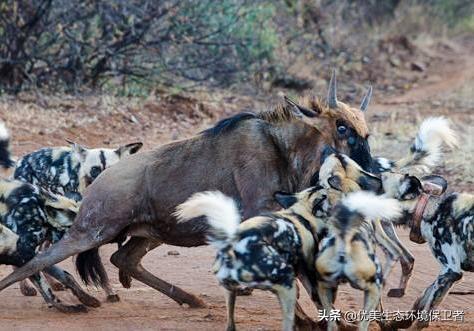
(303, 110)
(332, 93)
(366, 100)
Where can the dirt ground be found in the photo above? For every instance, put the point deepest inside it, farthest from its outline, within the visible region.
(446, 90)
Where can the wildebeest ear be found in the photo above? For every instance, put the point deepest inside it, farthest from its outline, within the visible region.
(434, 184)
(299, 110)
(335, 182)
(285, 199)
(410, 187)
(129, 149)
(369, 182)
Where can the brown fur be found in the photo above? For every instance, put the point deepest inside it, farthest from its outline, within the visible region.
(248, 159)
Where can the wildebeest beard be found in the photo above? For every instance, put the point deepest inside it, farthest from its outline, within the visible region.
(360, 152)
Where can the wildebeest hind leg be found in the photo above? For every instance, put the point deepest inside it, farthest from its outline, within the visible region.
(128, 258)
(68, 281)
(26, 289)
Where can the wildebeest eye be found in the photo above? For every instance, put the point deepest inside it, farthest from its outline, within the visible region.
(341, 129)
(95, 172)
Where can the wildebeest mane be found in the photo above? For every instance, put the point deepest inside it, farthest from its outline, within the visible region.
(280, 113)
(227, 124)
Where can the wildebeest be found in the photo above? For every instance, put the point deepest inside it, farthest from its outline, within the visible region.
(347, 254)
(267, 251)
(247, 157)
(68, 171)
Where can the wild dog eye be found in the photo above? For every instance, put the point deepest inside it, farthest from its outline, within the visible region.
(351, 141)
(341, 129)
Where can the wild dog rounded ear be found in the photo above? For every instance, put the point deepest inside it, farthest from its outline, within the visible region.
(299, 110)
(366, 100)
(285, 199)
(78, 149)
(369, 182)
(410, 187)
(434, 184)
(335, 182)
(129, 149)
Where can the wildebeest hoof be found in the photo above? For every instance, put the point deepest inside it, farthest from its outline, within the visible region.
(396, 293)
(125, 279)
(28, 290)
(194, 302)
(113, 298)
(244, 291)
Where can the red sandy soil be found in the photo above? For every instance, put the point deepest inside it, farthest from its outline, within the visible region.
(142, 308)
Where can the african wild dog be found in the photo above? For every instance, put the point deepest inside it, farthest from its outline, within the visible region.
(445, 222)
(34, 215)
(68, 171)
(266, 252)
(248, 156)
(347, 254)
(425, 153)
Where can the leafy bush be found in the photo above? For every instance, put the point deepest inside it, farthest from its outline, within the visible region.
(69, 44)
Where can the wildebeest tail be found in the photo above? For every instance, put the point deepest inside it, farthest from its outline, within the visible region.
(90, 268)
(5, 156)
(221, 212)
(426, 150)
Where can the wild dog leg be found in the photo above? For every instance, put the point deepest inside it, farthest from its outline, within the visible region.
(68, 281)
(327, 297)
(26, 289)
(43, 287)
(56, 286)
(435, 293)
(128, 258)
(407, 261)
(371, 300)
(230, 297)
(75, 241)
(287, 298)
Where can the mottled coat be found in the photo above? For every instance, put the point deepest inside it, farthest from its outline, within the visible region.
(268, 251)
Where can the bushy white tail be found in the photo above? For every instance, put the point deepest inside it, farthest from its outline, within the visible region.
(426, 150)
(5, 157)
(372, 206)
(220, 210)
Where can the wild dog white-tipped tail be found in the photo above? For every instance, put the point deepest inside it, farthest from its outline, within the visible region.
(4, 134)
(372, 206)
(220, 210)
(426, 150)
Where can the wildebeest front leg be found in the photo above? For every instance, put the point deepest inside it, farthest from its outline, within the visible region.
(407, 261)
(43, 287)
(68, 281)
(128, 258)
